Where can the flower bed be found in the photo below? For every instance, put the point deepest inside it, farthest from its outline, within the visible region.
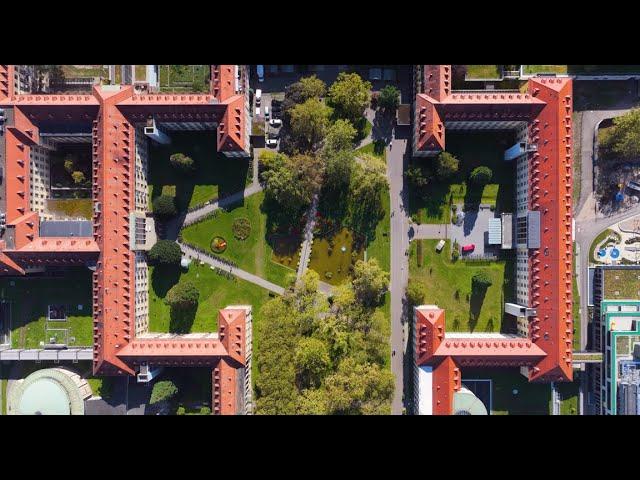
(218, 244)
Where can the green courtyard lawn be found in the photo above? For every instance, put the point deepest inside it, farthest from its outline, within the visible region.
(255, 254)
(478, 72)
(183, 78)
(214, 176)
(448, 285)
(71, 71)
(216, 292)
(472, 150)
(569, 393)
(30, 298)
(534, 69)
(141, 73)
(531, 398)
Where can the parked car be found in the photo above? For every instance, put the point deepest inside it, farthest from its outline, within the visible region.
(468, 248)
(275, 122)
(633, 185)
(440, 246)
(257, 111)
(272, 142)
(258, 96)
(266, 112)
(276, 103)
(260, 71)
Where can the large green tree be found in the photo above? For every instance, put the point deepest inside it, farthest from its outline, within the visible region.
(350, 95)
(623, 139)
(370, 282)
(309, 122)
(165, 252)
(312, 361)
(416, 293)
(163, 390)
(481, 281)
(164, 207)
(447, 165)
(312, 87)
(389, 98)
(368, 183)
(340, 136)
(359, 389)
(182, 163)
(184, 295)
(481, 175)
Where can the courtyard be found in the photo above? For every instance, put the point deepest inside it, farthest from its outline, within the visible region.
(214, 175)
(472, 149)
(216, 292)
(30, 299)
(262, 252)
(448, 284)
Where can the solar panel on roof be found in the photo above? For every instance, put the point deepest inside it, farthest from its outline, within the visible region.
(66, 228)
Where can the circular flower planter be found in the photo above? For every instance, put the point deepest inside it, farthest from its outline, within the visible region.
(218, 245)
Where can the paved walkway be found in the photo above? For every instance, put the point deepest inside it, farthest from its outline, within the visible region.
(223, 202)
(250, 277)
(397, 158)
(307, 242)
(429, 231)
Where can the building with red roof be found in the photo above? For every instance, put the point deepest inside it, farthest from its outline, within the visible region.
(115, 120)
(541, 118)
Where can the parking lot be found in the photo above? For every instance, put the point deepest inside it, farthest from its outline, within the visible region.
(474, 230)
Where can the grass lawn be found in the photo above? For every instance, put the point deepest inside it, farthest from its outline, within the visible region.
(569, 393)
(215, 175)
(141, 73)
(576, 306)
(448, 285)
(253, 254)
(101, 387)
(597, 95)
(329, 261)
(472, 150)
(216, 292)
(183, 78)
(533, 69)
(380, 246)
(30, 298)
(71, 71)
(483, 71)
(385, 329)
(531, 398)
(71, 207)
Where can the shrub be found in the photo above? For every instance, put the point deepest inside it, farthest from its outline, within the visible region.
(481, 281)
(68, 165)
(389, 98)
(164, 207)
(218, 244)
(241, 228)
(328, 275)
(183, 295)
(163, 390)
(447, 165)
(481, 175)
(455, 254)
(78, 177)
(165, 252)
(181, 162)
(415, 293)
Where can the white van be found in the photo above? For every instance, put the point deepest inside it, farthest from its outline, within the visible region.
(440, 246)
(258, 96)
(266, 112)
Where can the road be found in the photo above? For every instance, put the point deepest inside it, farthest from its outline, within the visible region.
(396, 163)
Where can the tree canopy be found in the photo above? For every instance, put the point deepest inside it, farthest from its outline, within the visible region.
(350, 95)
(481, 281)
(481, 175)
(163, 390)
(340, 136)
(370, 282)
(416, 293)
(164, 207)
(165, 252)
(182, 163)
(623, 138)
(389, 98)
(447, 165)
(309, 122)
(183, 295)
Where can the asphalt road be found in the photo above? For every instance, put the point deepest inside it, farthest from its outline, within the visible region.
(396, 162)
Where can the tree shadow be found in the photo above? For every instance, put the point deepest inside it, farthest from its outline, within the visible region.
(475, 306)
(382, 129)
(163, 278)
(182, 319)
(469, 221)
(473, 196)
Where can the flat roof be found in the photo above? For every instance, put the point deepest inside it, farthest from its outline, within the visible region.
(425, 390)
(621, 284)
(495, 231)
(66, 228)
(403, 114)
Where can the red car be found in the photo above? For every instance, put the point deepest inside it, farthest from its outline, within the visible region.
(468, 248)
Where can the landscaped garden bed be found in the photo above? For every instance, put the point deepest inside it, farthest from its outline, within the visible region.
(484, 72)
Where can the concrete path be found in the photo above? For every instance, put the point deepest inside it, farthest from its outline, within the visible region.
(307, 236)
(429, 231)
(223, 202)
(250, 277)
(397, 158)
